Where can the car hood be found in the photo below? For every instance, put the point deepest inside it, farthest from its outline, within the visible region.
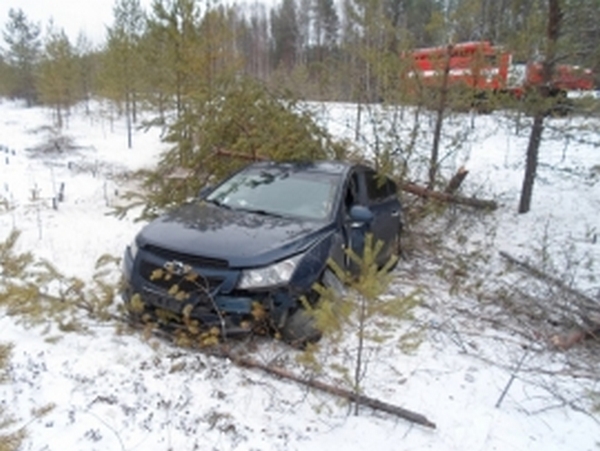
(242, 238)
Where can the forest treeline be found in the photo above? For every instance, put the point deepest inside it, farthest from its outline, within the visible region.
(210, 70)
(345, 50)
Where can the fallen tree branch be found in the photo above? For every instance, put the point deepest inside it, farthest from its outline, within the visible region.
(448, 197)
(511, 380)
(581, 306)
(240, 155)
(456, 180)
(224, 351)
(588, 301)
(376, 404)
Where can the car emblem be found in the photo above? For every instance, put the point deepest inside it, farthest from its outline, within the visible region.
(178, 268)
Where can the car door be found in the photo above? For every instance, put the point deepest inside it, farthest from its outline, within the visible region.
(353, 232)
(382, 200)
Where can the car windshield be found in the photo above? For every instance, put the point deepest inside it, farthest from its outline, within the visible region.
(278, 192)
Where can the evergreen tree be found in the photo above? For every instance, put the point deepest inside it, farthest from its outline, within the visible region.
(363, 24)
(174, 32)
(360, 315)
(219, 61)
(542, 99)
(123, 65)
(582, 34)
(326, 23)
(5, 77)
(304, 18)
(254, 41)
(285, 35)
(243, 122)
(22, 56)
(188, 55)
(57, 79)
(159, 78)
(10, 440)
(86, 68)
(324, 61)
(422, 21)
(198, 59)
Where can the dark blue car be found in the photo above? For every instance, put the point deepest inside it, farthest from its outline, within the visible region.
(261, 238)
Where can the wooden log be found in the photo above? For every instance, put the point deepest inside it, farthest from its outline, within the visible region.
(363, 400)
(224, 350)
(456, 180)
(446, 197)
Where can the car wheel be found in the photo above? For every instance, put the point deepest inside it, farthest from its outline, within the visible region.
(396, 250)
(331, 281)
(300, 329)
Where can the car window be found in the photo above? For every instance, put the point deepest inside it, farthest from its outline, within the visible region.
(378, 187)
(285, 193)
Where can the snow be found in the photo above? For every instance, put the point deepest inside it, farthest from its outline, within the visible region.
(110, 388)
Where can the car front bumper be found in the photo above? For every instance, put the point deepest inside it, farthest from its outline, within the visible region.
(212, 299)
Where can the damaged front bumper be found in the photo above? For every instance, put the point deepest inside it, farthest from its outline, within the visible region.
(210, 297)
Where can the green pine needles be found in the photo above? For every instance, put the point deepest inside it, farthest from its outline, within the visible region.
(361, 316)
(218, 134)
(10, 438)
(36, 292)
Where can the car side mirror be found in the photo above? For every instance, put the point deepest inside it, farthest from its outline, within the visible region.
(205, 191)
(360, 215)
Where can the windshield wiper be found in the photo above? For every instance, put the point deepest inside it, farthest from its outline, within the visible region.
(218, 203)
(262, 212)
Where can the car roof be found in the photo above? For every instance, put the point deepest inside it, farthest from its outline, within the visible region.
(333, 167)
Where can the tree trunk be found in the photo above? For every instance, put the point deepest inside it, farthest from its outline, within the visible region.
(446, 197)
(555, 16)
(358, 369)
(352, 396)
(456, 180)
(533, 148)
(435, 149)
(128, 119)
(358, 120)
(134, 106)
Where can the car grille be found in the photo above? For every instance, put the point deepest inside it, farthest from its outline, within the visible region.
(200, 286)
(190, 259)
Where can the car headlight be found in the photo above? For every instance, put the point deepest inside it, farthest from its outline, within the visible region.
(276, 274)
(133, 249)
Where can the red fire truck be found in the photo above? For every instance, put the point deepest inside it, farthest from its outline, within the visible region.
(483, 67)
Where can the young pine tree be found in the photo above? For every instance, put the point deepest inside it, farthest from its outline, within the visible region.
(363, 315)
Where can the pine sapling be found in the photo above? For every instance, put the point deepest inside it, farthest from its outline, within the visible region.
(364, 309)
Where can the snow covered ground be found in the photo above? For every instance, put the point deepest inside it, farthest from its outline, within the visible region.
(108, 390)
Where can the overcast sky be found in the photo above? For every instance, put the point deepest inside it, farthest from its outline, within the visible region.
(74, 16)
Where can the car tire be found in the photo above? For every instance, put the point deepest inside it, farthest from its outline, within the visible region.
(396, 251)
(331, 281)
(300, 329)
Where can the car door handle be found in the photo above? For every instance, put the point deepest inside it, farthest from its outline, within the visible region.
(395, 213)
